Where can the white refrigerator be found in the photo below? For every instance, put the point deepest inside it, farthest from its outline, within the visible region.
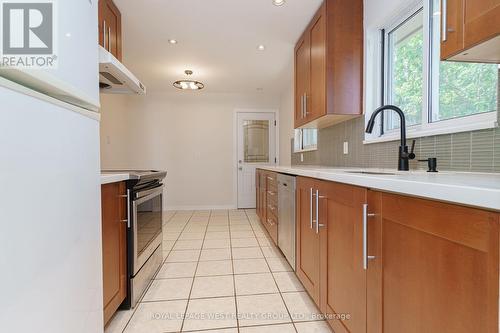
(50, 215)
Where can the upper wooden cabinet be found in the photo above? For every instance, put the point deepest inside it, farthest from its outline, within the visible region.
(470, 30)
(435, 267)
(110, 28)
(302, 79)
(329, 66)
(114, 246)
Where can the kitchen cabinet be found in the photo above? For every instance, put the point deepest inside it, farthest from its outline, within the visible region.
(272, 205)
(114, 246)
(470, 30)
(308, 247)
(330, 250)
(343, 281)
(435, 266)
(302, 79)
(267, 201)
(110, 28)
(329, 66)
(387, 263)
(261, 194)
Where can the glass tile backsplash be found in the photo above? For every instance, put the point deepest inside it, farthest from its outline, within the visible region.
(477, 151)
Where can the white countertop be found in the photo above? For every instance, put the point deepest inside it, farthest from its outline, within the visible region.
(111, 177)
(466, 188)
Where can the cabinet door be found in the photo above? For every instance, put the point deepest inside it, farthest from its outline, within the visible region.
(344, 279)
(452, 29)
(481, 21)
(308, 241)
(317, 100)
(302, 79)
(110, 28)
(114, 247)
(257, 192)
(440, 267)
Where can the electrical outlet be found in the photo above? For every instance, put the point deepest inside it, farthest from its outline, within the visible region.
(346, 148)
(301, 157)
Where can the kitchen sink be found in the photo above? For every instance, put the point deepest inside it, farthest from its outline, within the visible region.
(372, 173)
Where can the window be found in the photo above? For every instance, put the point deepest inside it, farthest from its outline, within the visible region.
(436, 96)
(305, 139)
(463, 89)
(256, 141)
(405, 81)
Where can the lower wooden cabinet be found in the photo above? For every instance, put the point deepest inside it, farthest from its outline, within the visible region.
(308, 247)
(380, 262)
(343, 282)
(267, 201)
(436, 267)
(114, 247)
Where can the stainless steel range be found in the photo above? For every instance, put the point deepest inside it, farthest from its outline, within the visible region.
(144, 232)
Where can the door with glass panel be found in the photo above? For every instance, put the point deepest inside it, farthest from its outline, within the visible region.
(256, 148)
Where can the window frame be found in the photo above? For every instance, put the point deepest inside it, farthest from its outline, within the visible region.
(298, 145)
(381, 65)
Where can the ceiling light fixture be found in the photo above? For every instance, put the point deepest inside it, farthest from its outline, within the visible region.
(278, 2)
(188, 84)
(261, 47)
(172, 41)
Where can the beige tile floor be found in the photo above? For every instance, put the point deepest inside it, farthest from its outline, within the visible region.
(221, 274)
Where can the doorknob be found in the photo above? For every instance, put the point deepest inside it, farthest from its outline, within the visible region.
(240, 161)
(240, 168)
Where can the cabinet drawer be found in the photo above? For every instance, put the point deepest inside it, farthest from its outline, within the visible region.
(272, 213)
(272, 197)
(272, 180)
(272, 226)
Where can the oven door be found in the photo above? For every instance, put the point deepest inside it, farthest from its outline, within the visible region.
(147, 208)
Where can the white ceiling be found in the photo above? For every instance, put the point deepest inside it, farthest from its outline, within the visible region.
(218, 40)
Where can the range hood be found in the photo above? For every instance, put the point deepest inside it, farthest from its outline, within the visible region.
(115, 78)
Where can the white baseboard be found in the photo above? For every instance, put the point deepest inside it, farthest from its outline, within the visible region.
(200, 207)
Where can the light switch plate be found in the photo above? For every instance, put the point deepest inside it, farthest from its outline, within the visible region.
(346, 147)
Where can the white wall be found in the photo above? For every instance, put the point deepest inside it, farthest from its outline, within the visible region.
(286, 120)
(188, 134)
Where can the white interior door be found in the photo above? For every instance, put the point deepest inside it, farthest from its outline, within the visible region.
(256, 147)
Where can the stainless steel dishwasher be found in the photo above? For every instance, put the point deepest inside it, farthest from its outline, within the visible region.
(286, 217)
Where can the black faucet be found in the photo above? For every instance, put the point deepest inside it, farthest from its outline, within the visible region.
(404, 155)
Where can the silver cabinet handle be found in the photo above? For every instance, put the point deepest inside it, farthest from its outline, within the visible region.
(128, 209)
(318, 225)
(444, 16)
(366, 257)
(104, 34)
(109, 39)
(317, 211)
(311, 208)
(305, 105)
(301, 106)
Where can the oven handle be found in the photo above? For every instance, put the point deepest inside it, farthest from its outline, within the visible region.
(151, 194)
